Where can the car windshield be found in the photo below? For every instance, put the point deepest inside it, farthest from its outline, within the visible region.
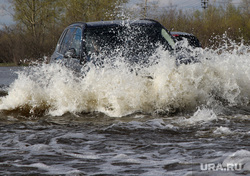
(132, 40)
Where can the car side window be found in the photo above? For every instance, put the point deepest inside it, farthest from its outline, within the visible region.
(66, 42)
(60, 40)
(76, 41)
(167, 37)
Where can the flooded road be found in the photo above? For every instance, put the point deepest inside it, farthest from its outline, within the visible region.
(190, 120)
(7, 76)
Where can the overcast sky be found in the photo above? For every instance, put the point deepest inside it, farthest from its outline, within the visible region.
(5, 17)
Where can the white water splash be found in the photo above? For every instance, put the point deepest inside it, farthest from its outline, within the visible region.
(222, 79)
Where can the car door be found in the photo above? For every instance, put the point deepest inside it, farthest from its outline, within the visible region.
(73, 51)
(69, 48)
(62, 45)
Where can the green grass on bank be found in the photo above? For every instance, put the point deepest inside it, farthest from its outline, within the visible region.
(7, 64)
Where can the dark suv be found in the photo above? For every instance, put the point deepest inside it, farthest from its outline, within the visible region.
(96, 41)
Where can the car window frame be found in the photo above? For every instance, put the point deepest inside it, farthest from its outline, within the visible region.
(81, 39)
(62, 49)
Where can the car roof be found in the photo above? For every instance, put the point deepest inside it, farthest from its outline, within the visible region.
(116, 23)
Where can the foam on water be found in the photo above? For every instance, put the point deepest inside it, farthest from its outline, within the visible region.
(201, 115)
(57, 169)
(240, 156)
(223, 130)
(222, 79)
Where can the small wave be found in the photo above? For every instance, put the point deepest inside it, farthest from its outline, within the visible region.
(57, 169)
(150, 125)
(240, 157)
(200, 116)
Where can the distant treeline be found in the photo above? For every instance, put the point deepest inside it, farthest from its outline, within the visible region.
(39, 23)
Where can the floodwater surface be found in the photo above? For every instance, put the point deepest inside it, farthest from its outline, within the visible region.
(184, 120)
